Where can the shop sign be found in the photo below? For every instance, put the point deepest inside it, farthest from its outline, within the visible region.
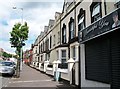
(100, 27)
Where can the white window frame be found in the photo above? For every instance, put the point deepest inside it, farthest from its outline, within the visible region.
(59, 37)
(64, 35)
(96, 12)
(54, 41)
(63, 58)
(81, 23)
(72, 30)
(74, 53)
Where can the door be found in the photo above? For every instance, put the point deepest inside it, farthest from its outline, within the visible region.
(73, 75)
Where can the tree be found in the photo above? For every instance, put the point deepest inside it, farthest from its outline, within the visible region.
(6, 55)
(19, 35)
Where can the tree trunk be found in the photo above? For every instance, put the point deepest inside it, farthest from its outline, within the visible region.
(18, 69)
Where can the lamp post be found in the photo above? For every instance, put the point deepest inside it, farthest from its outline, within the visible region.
(20, 42)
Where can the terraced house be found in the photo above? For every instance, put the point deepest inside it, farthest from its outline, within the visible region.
(82, 43)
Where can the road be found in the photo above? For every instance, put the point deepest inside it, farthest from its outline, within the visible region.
(4, 80)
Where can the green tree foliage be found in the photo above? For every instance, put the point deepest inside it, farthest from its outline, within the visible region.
(19, 35)
(6, 55)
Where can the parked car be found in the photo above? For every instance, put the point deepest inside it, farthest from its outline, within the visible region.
(7, 67)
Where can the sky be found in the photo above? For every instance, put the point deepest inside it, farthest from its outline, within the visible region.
(35, 12)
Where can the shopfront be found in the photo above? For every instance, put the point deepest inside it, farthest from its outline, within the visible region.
(102, 50)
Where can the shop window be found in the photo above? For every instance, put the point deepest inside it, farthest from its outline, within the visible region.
(64, 34)
(96, 12)
(71, 29)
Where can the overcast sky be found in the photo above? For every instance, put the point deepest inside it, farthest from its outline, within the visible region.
(35, 12)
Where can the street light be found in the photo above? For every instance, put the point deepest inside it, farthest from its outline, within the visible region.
(21, 47)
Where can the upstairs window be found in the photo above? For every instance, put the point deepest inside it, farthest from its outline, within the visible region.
(96, 13)
(58, 37)
(47, 44)
(39, 49)
(64, 34)
(71, 29)
(43, 48)
(54, 41)
(50, 42)
(81, 23)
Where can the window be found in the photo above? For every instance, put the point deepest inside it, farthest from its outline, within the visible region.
(71, 29)
(81, 22)
(36, 49)
(46, 57)
(74, 56)
(43, 49)
(41, 57)
(39, 49)
(58, 37)
(50, 41)
(47, 44)
(54, 41)
(57, 55)
(95, 11)
(64, 34)
(38, 59)
(63, 58)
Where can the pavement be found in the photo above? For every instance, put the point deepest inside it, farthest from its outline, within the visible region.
(31, 78)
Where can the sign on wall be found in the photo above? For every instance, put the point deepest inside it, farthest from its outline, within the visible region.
(102, 26)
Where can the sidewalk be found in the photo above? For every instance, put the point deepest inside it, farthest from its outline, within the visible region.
(30, 77)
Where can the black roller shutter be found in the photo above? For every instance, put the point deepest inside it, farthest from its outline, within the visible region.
(97, 60)
(115, 56)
